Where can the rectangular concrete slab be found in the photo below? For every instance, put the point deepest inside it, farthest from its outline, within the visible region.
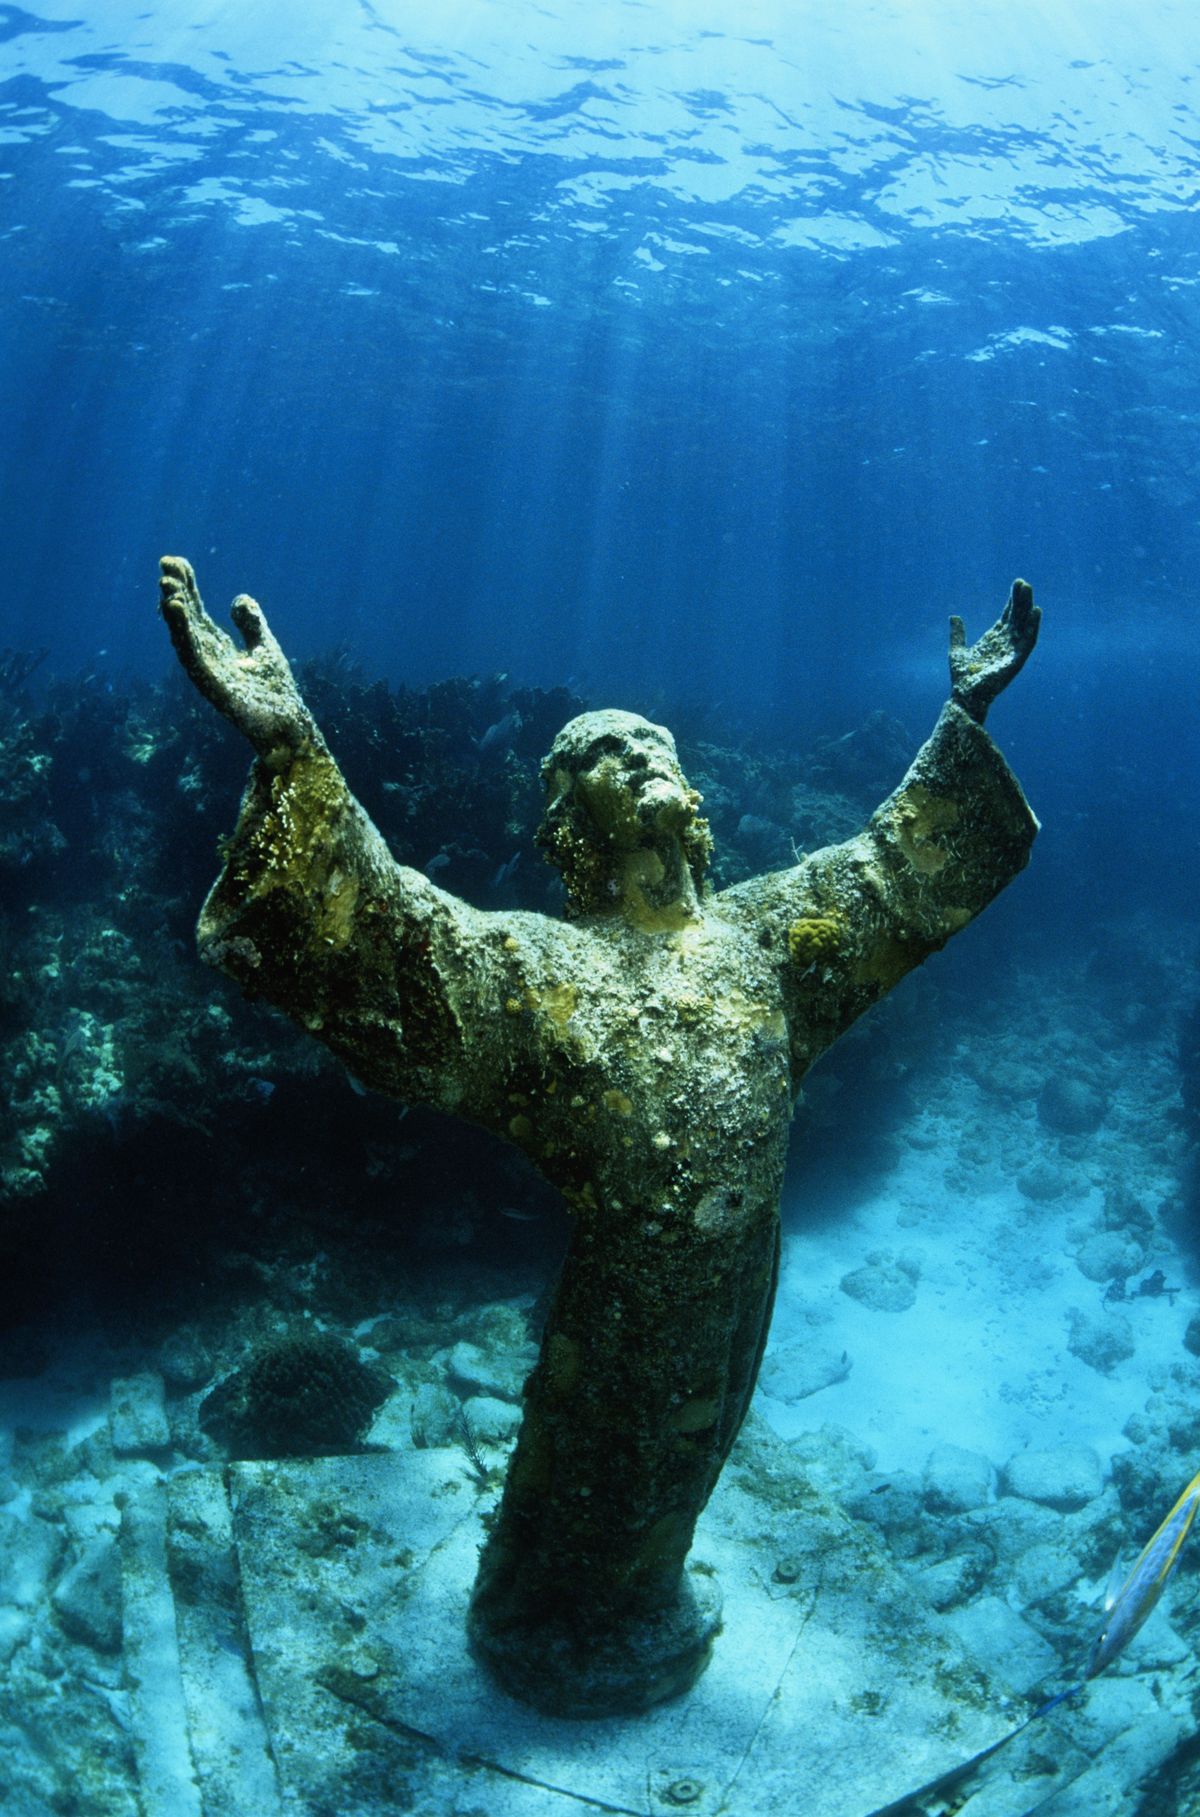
(828, 1692)
(230, 1746)
(153, 1672)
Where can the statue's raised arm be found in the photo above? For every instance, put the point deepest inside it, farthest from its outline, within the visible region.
(954, 832)
(310, 910)
(980, 671)
(253, 688)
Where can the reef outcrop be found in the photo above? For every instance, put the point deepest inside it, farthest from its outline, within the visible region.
(644, 1051)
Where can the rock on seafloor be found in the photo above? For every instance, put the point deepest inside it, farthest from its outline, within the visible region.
(1065, 1477)
(138, 1415)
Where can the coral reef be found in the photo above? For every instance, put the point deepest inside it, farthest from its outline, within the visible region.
(814, 937)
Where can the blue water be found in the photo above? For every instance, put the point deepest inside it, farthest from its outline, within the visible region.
(701, 352)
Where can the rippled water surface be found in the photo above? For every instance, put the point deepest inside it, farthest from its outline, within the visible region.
(709, 349)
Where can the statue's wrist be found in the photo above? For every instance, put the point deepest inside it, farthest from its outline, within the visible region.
(974, 704)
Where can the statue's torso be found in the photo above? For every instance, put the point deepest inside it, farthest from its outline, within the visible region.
(642, 1064)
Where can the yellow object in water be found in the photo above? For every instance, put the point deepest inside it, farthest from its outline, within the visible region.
(1133, 1602)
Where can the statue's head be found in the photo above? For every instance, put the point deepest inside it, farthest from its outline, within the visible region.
(621, 822)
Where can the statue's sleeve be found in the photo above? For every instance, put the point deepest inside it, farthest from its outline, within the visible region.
(852, 919)
(312, 913)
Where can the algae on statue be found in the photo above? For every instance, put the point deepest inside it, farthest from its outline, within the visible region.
(645, 1052)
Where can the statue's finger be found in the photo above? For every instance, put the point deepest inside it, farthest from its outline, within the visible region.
(176, 585)
(958, 632)
(183, 609)
(180, 628)
(1026, 615)
(176, 569)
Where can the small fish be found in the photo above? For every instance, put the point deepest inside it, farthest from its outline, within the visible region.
(499, 737)
(505, 873)
(1127, 1610)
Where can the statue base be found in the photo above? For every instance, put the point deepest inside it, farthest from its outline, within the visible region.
(620, 1673)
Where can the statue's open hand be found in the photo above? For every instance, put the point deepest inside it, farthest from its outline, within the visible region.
(978, 672)
(254, 687)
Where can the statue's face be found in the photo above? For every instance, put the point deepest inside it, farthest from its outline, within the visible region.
(627, 777)
(614, 787)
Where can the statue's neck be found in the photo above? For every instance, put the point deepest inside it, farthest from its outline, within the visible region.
(655, 887)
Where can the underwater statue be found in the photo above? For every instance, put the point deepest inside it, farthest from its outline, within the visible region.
(645, 1052)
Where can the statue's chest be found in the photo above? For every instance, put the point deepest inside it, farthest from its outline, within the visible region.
(692, 1022)
(651, 1061)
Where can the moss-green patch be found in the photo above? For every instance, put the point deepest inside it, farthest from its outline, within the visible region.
(868, 1703)
(294, 844)
(559, 1002)
(963, 1683)
(918, 819)
(888, 959)
(814, 937)
(335, 921)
